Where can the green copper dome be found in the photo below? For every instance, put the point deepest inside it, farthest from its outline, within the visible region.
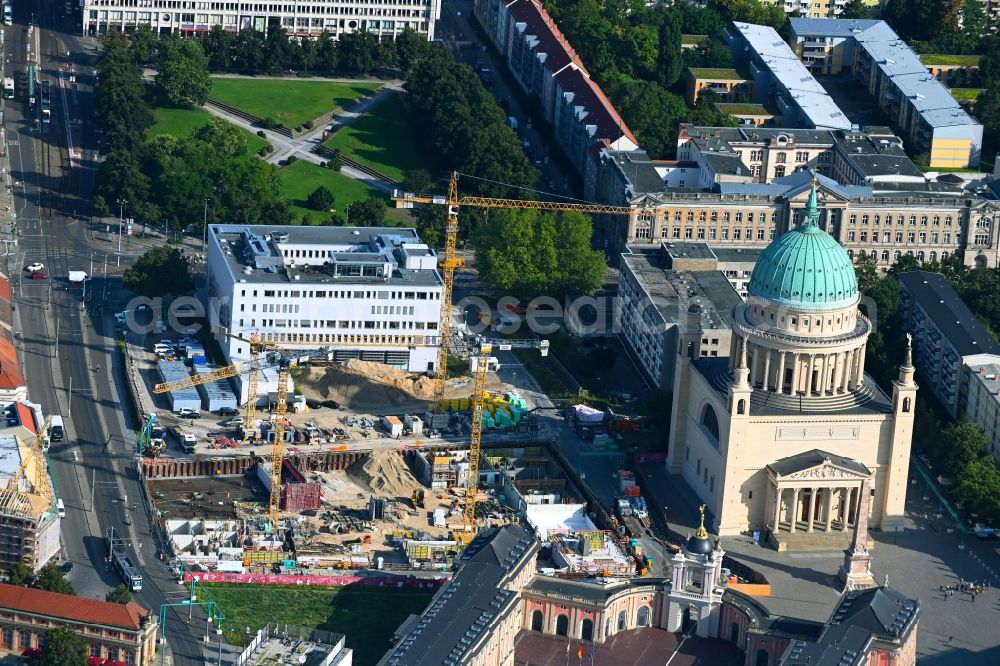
(806, 268)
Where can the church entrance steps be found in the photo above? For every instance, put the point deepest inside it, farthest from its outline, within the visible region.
(802, 541)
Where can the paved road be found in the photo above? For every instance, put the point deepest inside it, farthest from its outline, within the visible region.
(64, 348)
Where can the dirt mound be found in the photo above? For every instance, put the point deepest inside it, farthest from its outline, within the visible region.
(362, 385)
(386, 473)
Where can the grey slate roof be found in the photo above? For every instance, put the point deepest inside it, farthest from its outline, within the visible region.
(814, 458)
(879, 615)
(949, 313)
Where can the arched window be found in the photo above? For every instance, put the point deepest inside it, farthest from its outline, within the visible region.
(536, 620)
(762, 659)
(622, 620)
(906, 405)
(710, 422)
(734, 633)
(587, 629)
(741, 406)
(562, 625)
(642, 617)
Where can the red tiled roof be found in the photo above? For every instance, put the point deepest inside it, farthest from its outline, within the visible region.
(68, 607)
(26, 417)
(552, 42)
(10, 368)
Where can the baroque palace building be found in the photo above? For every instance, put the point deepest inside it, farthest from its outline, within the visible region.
(783, 435)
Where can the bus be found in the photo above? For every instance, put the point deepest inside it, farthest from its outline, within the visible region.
(118, 558)
(8, 87)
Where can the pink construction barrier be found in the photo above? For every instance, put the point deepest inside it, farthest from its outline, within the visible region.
(321, 581)
(651, 457)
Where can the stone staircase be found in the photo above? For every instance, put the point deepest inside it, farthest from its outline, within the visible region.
(801, 541)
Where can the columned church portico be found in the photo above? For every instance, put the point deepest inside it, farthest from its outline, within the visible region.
(814, 491)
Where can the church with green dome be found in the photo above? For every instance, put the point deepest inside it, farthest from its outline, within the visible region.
(781, 436)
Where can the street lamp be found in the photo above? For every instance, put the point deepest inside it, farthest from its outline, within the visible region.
(121, 218)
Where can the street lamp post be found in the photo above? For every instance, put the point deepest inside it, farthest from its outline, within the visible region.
(121, 218)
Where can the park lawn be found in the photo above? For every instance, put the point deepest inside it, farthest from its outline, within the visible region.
(967, 94)
(383, 139)
(950, 60)
(182, 122)
(366, 616)
(300, 178)
(291, 102)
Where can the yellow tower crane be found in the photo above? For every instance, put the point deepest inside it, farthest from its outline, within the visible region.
(41, 485)
(449, 262)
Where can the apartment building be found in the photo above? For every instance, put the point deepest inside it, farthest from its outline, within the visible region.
(779, 78)
(928, 118)
(546, 67)
(982, 399)
(123, 633)
(726, 83)
(657, 289)
(301, 19)
(372, 293)
(816, 8)
(946, 337)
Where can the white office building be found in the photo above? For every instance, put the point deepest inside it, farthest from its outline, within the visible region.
(370, 293)
(300, 19)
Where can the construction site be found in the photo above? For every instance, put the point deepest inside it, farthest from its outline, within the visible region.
(29, 513)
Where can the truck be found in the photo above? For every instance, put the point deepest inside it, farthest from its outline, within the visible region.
(185, 439)
(119, 559)
(8, 87)
(78, 276)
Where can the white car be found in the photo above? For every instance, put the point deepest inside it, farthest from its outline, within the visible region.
(37, 266)
(188, 413)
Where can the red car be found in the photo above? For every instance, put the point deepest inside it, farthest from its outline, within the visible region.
(38, 275)
(515, 309)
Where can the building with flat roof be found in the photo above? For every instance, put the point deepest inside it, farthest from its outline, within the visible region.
(946, 335)
(372, 293)
(780, 78)
(929, 119)
(656, 290)
(282, 644)
(726, 83)
(981, 374)
(299, 19)
(125, 633)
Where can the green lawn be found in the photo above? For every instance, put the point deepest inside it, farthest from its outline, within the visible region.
(693, 39)
(182, 122)
(383, 139)
(738, 109)
(367, 617)
(967, 94)
(291, 102)
(953, 60)
(300, 178)
(716, 73)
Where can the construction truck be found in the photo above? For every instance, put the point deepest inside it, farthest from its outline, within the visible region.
(418, 499)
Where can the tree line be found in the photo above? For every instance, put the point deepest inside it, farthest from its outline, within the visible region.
(959, 449)
(251, 51)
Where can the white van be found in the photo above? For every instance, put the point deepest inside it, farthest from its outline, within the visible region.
(61, 508)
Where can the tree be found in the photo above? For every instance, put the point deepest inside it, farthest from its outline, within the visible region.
(357, 52)
(160, 271)
(142, 42)
(119, 595)
(855, 9)
(417, 180)
(20, 574)
(218, 47)
(411, 46)
(277, 50)
(308, 54)
(227, 139)
(120, 176)
(321, 199)
(248, 50)
(51, 579)
(327, 52)
(866, 271)
(670, 62)
(367, 213)
(705, 114)
(431, 224)
(653, 114)
(528, 253)
(63, 648)
(183, 73)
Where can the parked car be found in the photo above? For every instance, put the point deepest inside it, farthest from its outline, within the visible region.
(188, 413)
(330, 404)
(39, 275)
(233, 422)
(37, 266)
(228, 411)
(313, 404)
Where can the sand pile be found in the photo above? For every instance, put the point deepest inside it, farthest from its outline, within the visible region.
(363, 385)
(386, 473)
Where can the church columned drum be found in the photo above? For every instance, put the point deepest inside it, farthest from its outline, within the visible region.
(781, 435)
